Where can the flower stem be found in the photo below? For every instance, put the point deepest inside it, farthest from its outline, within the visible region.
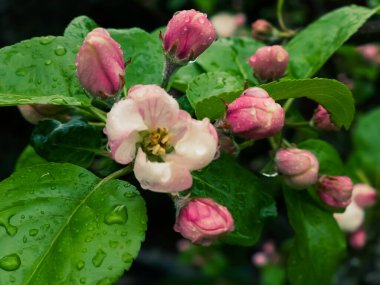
(363, 178)
(246, 144)
(273, 143)
(169, 69)
(97, 113)
(287, 104)
(119, 173)
(280, 4)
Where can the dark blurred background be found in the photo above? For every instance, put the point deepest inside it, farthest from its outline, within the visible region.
(21, 19)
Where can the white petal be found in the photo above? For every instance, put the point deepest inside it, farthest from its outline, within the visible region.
(198, 146)
(163, 177)
(124, 150)
(157, 108)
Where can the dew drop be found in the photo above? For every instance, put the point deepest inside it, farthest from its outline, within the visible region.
(130, 194)
(80, 265)
(10, 262)
(118, 215)
(113, 243)
(12, 279)
(46, 40)
(201, 20)
(10, 229)
(105, 281)
(127, 258)
(48, 62)
(98, 259)
(24, 239)
(22, 216)
(83, 280)
(21, 71)
(60, 50)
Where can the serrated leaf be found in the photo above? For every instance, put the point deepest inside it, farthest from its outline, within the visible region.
(41, 71)
(319, 244)
(331, 94)
(79, 27)
(207, 92)
(75, 141)
(145, 52)
(232, 186)
(60, 224)
(314, 45)
(329, 160)
(28, 158)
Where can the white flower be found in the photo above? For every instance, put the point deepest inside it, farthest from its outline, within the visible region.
(166, 143)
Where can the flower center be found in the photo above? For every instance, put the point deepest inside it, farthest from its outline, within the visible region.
(156, 142)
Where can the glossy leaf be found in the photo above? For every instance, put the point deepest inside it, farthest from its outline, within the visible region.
(75, 141)
(79, 27)
(60, 224)
(41, 71)
(207, 92)
(314, 45)
(145, 52)
(319, 244)
(331, 94)
(232, 186)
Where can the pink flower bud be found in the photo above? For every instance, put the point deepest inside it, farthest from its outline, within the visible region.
(321, 120)
(364, 195)
(100, 64)
(269, 63)
(370, 52)
(202, 221)
(187, 35)
(262, 30)
(260, 259)
(35, 113)
(351, 219)
(299, 167)
(255, 115)
(358, 239)
(335, 191)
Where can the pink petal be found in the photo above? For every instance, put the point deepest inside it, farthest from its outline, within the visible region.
(124, 150)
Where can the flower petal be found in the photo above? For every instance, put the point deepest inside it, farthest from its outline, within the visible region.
(124, 150)
(197, 148)
(163, 177)
(156, 107)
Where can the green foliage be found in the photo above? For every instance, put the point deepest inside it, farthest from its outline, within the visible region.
(331, 94)
(75, 141)
(79, 27)
(181, 79)
(207, 92)
(145, 52)
(319, 244)
(60, 224)
(28, 158)
(234, 187)
(41, 71)
(314, 45)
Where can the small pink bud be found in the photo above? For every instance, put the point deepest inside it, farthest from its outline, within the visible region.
(370, 52)
(358, 239)
(187, 35)
(202, 221)
(364, 195)
(35, 113)
(335, 191)
(351, 219)
(262, 30)
(269, 63)
(259, 259)
(255, 115)
(100, 64)
(321, 120)
(299, 167)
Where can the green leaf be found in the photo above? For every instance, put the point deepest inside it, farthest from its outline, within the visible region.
(314, 45)
(28, 158)
(41, 71)
(75, 141)
(60, 224)
(79, 27)
(232, 186)
(145, 51)
(207, 91)
(181, 79)
(319, 243)
(329, 160)
(331, 94)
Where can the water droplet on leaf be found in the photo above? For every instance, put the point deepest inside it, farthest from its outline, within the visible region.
(118, 215)
(60, 50)
(80, 265)
(10, 262)
(98, 259)
(48, 62)
(46, 40)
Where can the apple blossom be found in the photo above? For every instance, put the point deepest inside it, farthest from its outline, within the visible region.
(358, 238)
(166, 143)
(364, 195)
(351, 219)
(100, 64)
(202, 220)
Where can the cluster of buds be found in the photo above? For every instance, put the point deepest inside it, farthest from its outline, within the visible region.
(299, 167)
(268, 255)
(269, 63)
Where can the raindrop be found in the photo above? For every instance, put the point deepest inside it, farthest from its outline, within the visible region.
(105, 281)
(10, 262)
(60, 50)
(28, 45)
(12, 279)
(80, 265)
(48, 62)
(127, 258)
(24, 239)
(130, 194)
(201, 20)
(21, 71)
(83, 280)
(98, 259)
(10, 229)
(113, 243)
(118, 215)
(46, 40)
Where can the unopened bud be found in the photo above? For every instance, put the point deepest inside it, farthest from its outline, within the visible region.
(255, 115)
(299, 167)
(321, 120)
(358, 239)
(364, 195)
(202, 221)
(187, 35)
(100, 64)
(35, 113)
(335, 191)
(269, 63)
(370, 52)
(262, 30)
